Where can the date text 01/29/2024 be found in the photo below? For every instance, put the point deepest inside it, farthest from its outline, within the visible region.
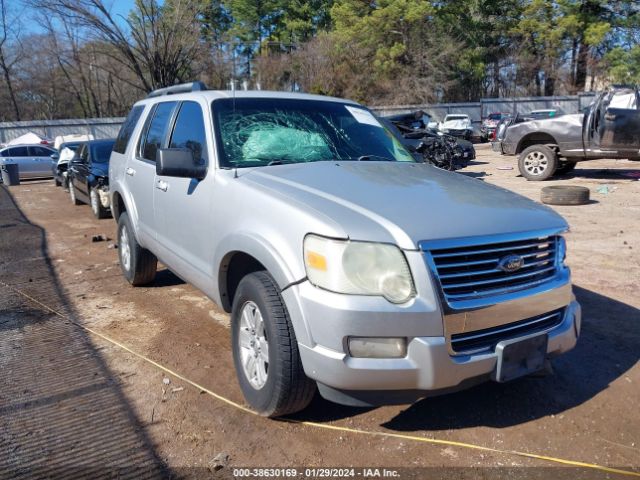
(315, 472)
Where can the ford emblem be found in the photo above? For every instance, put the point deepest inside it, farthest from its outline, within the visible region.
(511, 263)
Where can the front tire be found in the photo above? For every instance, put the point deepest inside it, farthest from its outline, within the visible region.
(538, 162)
(96, 205)
(265, 349)
(138, 264)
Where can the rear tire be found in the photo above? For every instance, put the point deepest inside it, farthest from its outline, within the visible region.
(537, 163)
(265, 349)
(96, 205)
(138, 264)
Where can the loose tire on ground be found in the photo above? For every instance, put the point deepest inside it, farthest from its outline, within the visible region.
(565, 195)
(286, 389)
(537, 162)
(138, 264)
(96, 205)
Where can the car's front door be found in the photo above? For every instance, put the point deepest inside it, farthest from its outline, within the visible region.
(41, 157)
(183, 205)
(76, 167)
(620, 129)
(141, 169)
(81, 171)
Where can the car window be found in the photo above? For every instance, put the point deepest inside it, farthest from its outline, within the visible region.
(36, 151)
(157, 130)
(18, 152)
(189, 131)
(82, 154)
(101, 152)
(127, 129)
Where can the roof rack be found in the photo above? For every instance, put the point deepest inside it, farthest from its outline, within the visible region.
(180, 88)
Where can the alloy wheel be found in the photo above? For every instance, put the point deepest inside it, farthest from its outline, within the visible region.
(536, 163)
(253, 345)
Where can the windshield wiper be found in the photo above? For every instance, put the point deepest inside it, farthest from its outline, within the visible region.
(364, 158)
(280, 161)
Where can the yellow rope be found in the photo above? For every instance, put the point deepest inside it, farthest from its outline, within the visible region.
(324, 426)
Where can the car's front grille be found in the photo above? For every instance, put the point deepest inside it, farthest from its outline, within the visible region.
(488, 338)
(477, 271)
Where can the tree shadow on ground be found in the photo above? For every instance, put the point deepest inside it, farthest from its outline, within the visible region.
(62, 411)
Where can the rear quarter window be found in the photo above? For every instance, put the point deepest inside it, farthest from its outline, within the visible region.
(127, 129)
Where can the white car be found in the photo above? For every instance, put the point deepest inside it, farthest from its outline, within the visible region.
(458, 125)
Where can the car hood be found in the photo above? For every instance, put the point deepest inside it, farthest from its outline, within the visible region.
(456, 124)
(403, 203)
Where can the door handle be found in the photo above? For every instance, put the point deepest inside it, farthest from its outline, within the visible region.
(130, 171)
(610, 116)
(162, 185)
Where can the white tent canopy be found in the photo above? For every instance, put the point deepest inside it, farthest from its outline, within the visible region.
(27, 139)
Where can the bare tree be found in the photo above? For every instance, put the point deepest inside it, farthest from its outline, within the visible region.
(5, 64)
(157, 43)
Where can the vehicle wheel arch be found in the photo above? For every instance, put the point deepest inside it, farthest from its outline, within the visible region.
(536, 138)
(254, 256)
(118, 205)
(247, 256)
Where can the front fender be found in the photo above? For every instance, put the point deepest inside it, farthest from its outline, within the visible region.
(282, 266)
(277, 261)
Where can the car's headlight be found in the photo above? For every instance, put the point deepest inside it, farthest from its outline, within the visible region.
(361, 268)
(562, 250)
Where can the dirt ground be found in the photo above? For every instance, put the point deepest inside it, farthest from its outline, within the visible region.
(72, 401)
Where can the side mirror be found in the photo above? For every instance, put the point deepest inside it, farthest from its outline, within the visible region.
(178, 162)
(55, 157)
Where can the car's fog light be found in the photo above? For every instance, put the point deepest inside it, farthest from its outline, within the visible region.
(377, 347)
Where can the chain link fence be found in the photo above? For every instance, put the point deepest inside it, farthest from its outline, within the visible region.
(108, 127)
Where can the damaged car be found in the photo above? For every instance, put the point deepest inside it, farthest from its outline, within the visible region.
(346, 266)
(443, 151)
(89, 176)
(609, 128)
(458, 125)
(430, 145)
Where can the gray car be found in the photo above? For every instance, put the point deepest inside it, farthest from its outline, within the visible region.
(608, 128)
(33, 160)
(345, 264)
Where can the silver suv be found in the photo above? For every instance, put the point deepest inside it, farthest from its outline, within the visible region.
(344, 263)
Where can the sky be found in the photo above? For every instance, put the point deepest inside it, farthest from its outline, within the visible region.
(118, 7)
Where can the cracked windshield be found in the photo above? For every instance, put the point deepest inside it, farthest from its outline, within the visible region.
(255, 132)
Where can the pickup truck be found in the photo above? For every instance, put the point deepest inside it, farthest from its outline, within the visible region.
(609, 128)
(347, 266)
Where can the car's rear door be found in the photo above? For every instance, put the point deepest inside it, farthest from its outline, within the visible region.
(20, 156)
(183, 205)
(140, 173)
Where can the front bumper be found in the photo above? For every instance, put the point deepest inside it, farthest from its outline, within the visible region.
(429, 366)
